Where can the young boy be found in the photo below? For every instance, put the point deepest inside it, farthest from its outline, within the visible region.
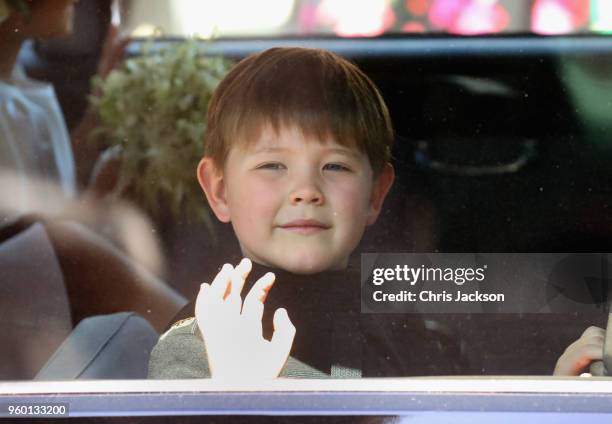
(297, 159)
(298, 146)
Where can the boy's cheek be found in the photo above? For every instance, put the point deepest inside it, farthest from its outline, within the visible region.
(357, 202)
(251, 213)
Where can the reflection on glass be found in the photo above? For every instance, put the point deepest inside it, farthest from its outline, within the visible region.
(346, 18)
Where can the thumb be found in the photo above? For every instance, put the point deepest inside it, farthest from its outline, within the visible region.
(282, 339)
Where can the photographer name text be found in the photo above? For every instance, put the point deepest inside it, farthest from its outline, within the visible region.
(410, 276)
(429, 296)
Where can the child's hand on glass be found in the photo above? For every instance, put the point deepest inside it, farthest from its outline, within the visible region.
(232, 330)
(587, 349)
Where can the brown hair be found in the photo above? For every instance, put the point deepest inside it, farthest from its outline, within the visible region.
(319, 92)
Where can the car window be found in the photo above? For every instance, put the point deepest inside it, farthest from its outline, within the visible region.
(466, 255)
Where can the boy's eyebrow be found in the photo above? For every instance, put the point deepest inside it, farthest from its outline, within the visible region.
(269, 149)
(339, 150)
(345, 151)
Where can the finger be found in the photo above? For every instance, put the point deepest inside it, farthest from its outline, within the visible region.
(111, 35)
(253, 305)
(113, 50)
(597, 369)
(109, 40)
(201, 300)
(204, 289)
(235, 276)
(221, 281)
(239, 276)
(576, 359)
(116, 55)
(589, 354)
(282, 338)
(589, 350)
(593, 331)
(232, 293)
(593, 351)
(594, 340)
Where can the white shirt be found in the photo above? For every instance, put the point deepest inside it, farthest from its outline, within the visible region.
(34, 142)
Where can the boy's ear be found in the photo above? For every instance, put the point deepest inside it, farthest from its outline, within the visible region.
(380, 188)
(212, 182)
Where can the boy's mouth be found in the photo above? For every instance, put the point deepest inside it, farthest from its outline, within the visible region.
(305, 226)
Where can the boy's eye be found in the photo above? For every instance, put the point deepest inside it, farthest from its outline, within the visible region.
(274, 166)
(335, 167)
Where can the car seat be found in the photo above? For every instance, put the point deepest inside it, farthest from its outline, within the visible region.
(42, 336)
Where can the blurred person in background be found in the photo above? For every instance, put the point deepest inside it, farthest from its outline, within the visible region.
(38, 181)
(37, 152)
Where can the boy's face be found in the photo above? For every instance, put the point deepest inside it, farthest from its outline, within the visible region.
(296, 203)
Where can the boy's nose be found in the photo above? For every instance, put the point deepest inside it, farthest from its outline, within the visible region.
(307, 195)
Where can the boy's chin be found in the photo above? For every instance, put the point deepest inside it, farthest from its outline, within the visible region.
(304, 261)
(313, 266)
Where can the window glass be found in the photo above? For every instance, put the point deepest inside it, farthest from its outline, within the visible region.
(466, 183)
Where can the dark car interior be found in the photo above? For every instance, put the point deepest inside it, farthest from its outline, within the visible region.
(493, 153)
(492, 156)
